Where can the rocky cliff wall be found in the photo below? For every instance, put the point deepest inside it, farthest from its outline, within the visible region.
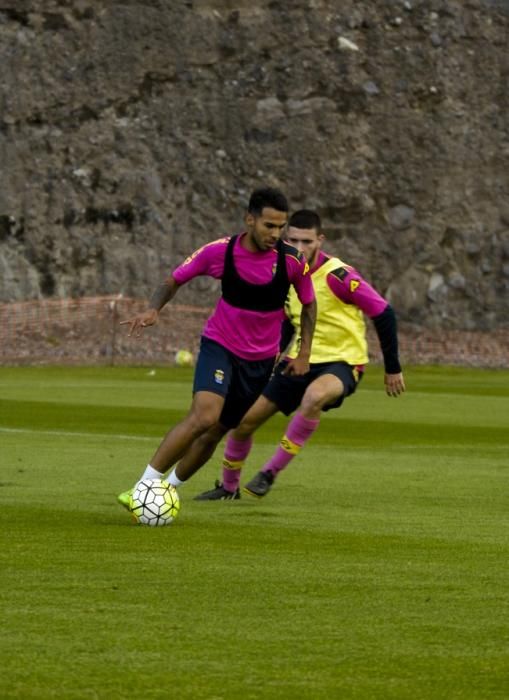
(132, 132)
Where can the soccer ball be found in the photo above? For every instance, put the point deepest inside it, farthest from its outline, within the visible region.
(154, 502)
(184, 358)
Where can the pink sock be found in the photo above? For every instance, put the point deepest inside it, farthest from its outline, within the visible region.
(235, 454)
(299, 431)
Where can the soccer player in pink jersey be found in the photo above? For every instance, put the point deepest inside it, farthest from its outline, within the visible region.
(338, 356)
(240, 340)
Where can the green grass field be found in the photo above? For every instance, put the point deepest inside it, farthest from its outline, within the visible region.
(378, 567)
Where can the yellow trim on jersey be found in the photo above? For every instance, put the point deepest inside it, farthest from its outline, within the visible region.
(340, 331)
(199, 250)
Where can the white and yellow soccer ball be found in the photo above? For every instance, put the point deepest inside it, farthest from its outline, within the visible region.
(154, 502)
(184, 358)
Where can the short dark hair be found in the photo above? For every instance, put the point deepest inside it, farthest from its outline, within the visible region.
(267, 197)
(305, 218)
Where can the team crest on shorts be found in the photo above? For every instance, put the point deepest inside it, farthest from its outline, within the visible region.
(219, 376)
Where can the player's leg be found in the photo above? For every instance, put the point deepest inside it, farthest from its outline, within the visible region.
(202, 417)
(200, 451)
(213, 377)
(248, 380)
(284, 393)
(239, 441)
(325, 389)
(237, 447)
(211, 381)
(320, 392)
(262, 409)
(298, 432)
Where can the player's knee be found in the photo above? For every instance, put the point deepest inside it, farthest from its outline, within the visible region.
(245, 429)
(214, 434)
(315, 399)
(203, 422)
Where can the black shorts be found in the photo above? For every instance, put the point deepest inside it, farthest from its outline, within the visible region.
(287, 391)
(240, 381)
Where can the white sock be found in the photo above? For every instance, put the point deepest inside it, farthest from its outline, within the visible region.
(173, 479)
(151, 473)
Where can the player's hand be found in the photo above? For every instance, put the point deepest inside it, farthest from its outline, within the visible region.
(297, 367)
(147, 318)
(394, 384)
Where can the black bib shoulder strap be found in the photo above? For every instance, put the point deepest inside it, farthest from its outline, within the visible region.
(229, 247)
(288, 249)
(257, 297)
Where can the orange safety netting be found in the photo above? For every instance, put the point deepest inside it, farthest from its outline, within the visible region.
(88, 331)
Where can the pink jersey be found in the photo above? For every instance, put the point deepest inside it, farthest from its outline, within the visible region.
(353, 289)
(251, 335)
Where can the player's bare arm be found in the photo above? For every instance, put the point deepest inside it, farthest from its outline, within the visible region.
(300, 365)
(161, 296)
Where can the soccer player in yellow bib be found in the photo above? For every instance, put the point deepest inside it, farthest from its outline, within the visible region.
(339, 353)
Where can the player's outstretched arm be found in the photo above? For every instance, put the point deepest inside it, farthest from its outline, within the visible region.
(386, 328)
(161, 296)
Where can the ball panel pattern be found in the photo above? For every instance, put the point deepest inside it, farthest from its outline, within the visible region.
(154, 502)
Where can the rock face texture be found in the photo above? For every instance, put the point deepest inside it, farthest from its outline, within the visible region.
(132, 132)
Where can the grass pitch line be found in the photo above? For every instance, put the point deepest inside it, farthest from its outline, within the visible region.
(145, 438)
(70, 433)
